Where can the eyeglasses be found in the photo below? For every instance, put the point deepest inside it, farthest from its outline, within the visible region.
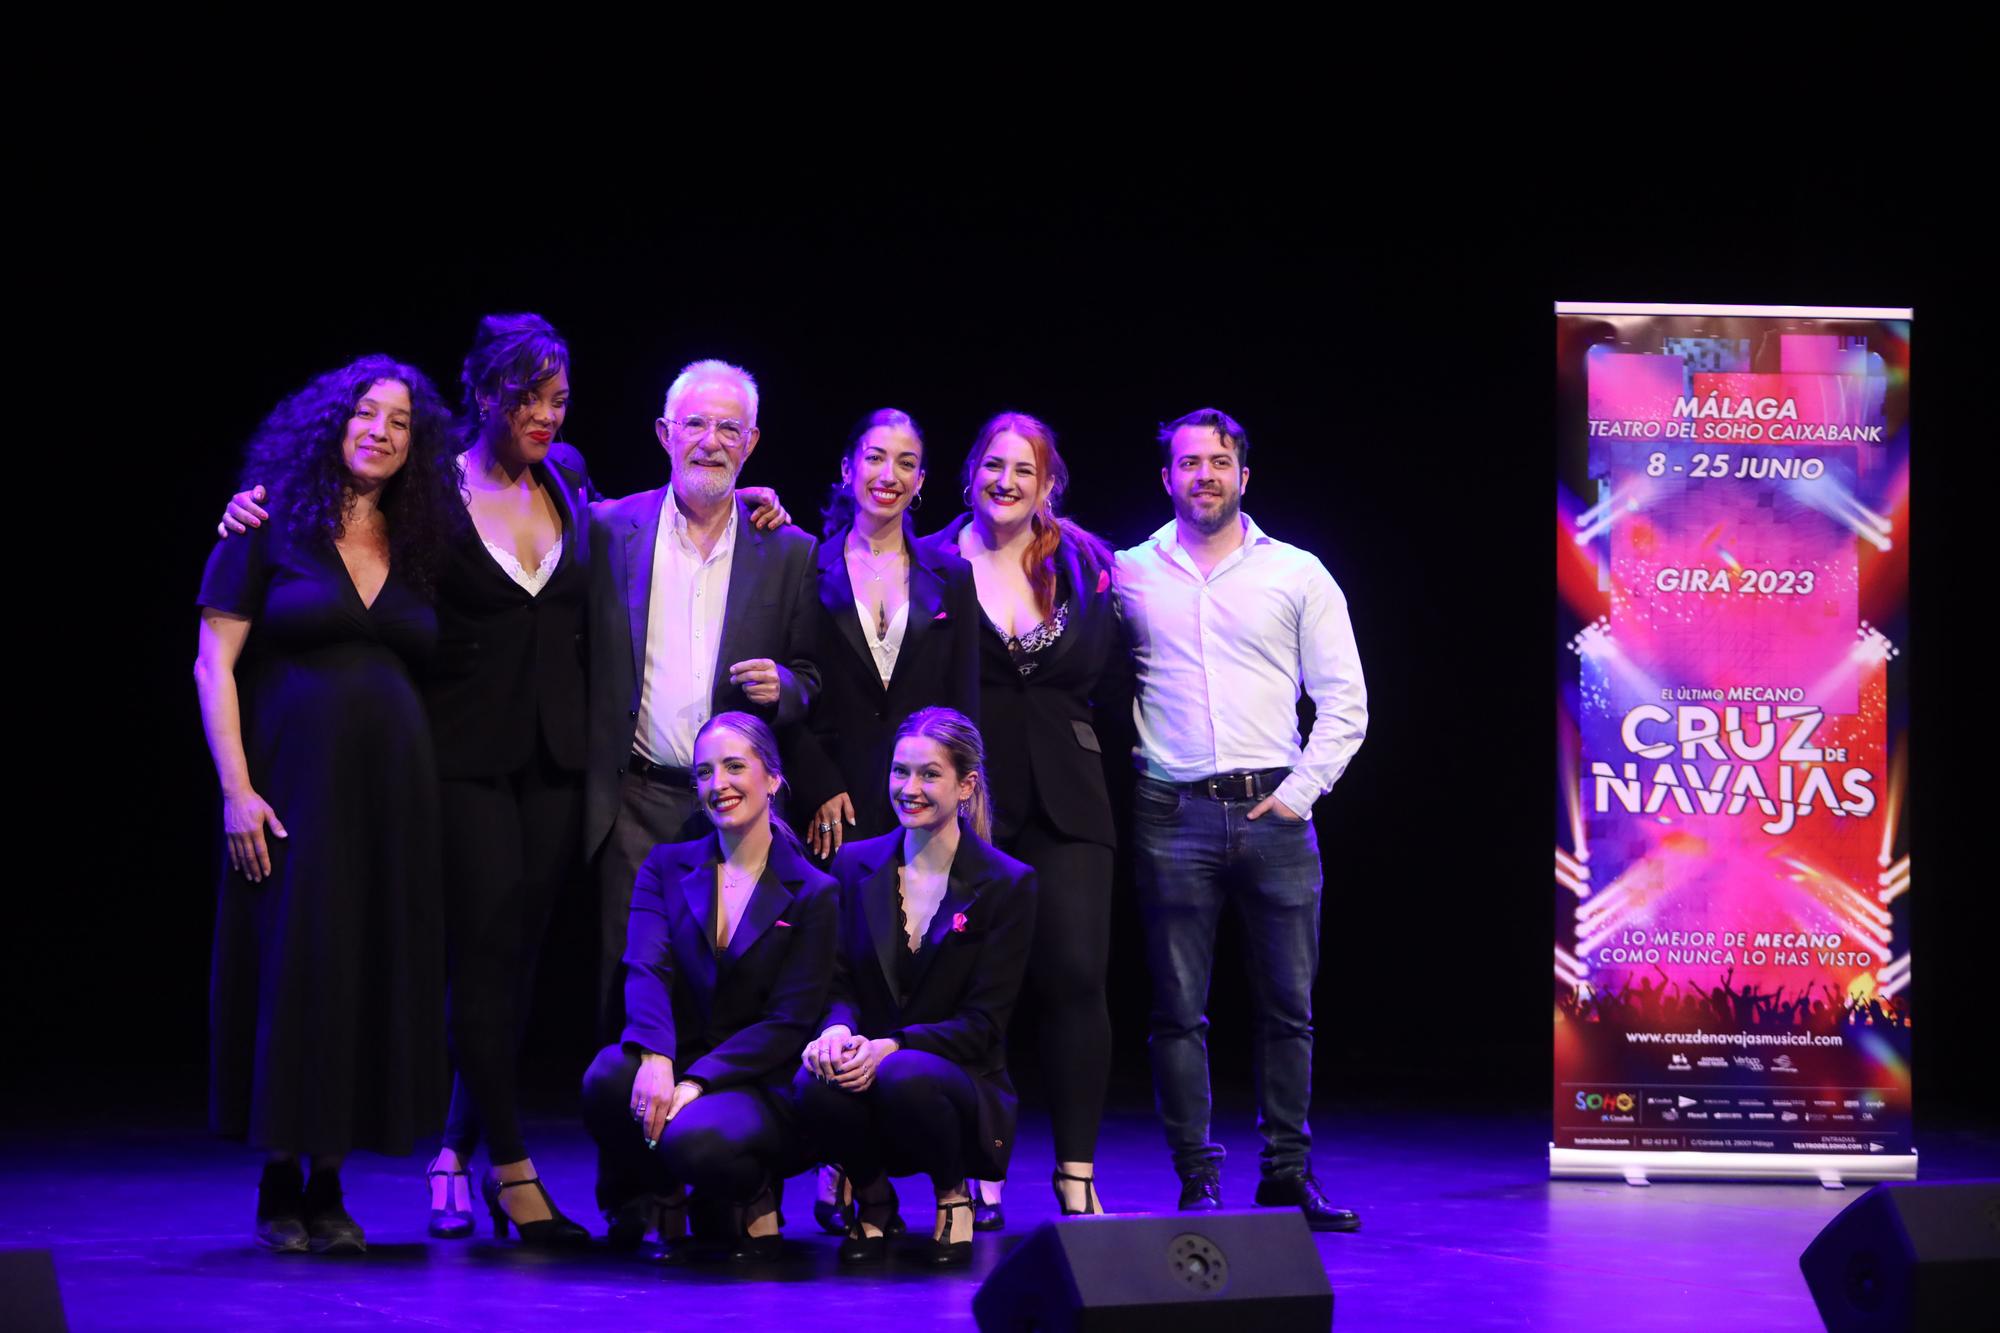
(728, 432)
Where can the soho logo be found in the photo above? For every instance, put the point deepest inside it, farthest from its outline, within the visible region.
(1604, 1101)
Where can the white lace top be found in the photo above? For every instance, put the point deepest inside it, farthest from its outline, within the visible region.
(884, 649)
(512, 568)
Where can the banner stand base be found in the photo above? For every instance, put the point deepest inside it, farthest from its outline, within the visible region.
(1643, 1168)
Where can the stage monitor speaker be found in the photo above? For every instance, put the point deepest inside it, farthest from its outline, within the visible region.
(1908, 1256)
(1243, 1272)
(30, 1301)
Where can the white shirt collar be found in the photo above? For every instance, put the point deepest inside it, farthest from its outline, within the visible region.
(1168, 540)
(727, 541)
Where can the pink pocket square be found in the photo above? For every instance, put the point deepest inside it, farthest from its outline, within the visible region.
(786, 924)
(941, 616)
(958, 923)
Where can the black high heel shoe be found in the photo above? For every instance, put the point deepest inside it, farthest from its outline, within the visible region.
(945, 1252)
(449, 1222)
(554, 1230)
(861, 1248)
(749, 1249)
(985, 1216)
(649, 1214)
(832, 1217)
(1089, 1184)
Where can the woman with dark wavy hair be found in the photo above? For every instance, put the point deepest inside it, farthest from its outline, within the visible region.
(326, 1002)
(505, 693)
(896, 630)
(1052, 650)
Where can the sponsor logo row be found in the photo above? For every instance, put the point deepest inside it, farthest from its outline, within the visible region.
(1795, 1112)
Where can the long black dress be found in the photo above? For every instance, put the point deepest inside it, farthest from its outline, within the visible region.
(326, 999)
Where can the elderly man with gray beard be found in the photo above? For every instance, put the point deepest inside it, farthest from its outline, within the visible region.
(693, 612)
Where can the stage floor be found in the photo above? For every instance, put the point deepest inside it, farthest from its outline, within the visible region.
(1461, 1229)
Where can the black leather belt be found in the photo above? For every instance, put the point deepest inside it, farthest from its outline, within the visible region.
(652, 772)
(1244, 785)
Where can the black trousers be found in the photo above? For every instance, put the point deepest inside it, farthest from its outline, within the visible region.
(1066, 975)
(650, 812)
(913, 1120)
(727, 1144)
(510, 846)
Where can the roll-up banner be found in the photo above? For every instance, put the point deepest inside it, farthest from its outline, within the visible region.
(1732, 936)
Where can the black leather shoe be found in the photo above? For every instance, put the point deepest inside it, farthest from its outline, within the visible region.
(861, 1248)
(1301, 1191)
(1201, 1192)
(553, 1230)
(758, 1249)
(329, 1228)
(749, 1249)
(628, 1225)
(1091, 1203)
(944, 1252)
(281, 1206)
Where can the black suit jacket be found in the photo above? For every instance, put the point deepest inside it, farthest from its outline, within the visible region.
(510, 664)
(741, 1017)
(846, 742)
(769, 614)
(1043, 756)
(975, 954)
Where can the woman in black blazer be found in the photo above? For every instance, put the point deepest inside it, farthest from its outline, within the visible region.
(727, 961)
(1052, 651)
(909, 1072)
(897, 630)
(505, 696)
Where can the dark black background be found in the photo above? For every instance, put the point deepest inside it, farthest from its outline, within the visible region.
(1387, 341)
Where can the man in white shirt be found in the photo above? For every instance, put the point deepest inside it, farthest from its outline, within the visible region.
(693, 611)
(1227, 625)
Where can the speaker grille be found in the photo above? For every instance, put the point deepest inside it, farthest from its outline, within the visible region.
(1199, 1265)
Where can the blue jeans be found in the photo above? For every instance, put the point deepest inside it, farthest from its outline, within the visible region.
(1194, 855)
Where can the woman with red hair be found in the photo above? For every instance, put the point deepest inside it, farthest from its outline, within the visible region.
(1051, 644)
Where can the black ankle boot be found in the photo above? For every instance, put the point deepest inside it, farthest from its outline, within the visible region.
(281, 1203)
(329, 1228)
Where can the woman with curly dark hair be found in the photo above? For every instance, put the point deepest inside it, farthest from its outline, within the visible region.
(505, 694)
(326, 1002)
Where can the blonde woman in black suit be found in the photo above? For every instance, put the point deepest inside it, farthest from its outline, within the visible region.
(909, 1072)
(727, 959)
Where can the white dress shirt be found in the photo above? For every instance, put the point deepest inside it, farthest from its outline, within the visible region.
(683, 635)
(1220, 661)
